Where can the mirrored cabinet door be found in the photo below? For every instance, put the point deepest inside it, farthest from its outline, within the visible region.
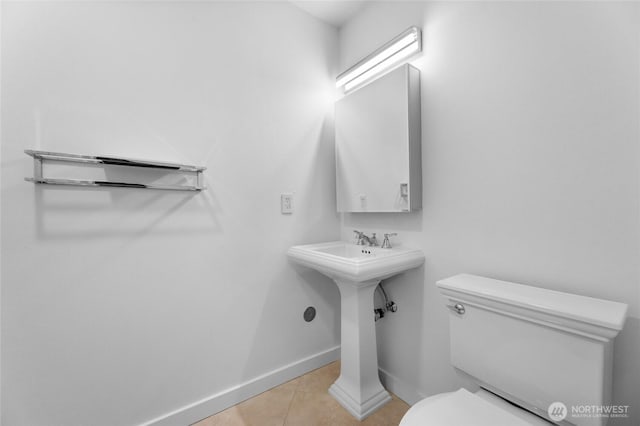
(378, 155)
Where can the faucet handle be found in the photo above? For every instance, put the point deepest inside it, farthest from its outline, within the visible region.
(386, 243)
(358, 236)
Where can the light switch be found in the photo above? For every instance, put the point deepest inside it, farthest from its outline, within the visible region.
(404, 189)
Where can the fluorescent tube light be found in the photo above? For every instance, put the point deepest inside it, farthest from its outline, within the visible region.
(392, 53)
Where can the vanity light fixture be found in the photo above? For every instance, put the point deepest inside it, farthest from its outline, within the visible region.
(382, 59)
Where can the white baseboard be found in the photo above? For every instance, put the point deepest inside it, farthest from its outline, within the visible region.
(198, 410)
(229, 397)
(400, 388)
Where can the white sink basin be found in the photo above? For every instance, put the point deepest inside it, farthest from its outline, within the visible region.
(357, 270)
(340, 260)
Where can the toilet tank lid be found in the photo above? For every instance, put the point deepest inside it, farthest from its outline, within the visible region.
(600, 312)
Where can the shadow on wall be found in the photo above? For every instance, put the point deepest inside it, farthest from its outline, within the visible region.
(275, 341)
(268, 347)
(626, 376)
(302, 286)
(407, 291)
(399, 335)
(385, 222)
(67, 213)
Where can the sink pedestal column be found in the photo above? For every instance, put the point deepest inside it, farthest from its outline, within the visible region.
(358, 389)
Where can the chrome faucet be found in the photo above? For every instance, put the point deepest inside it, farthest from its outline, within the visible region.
(362, 239)
(386, 243)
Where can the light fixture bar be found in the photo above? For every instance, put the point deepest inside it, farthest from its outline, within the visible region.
(391, 53)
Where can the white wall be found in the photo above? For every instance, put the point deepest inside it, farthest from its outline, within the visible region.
(531, 164)
(120, 305)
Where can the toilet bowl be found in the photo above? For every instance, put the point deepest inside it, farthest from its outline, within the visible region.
(534, 353)
(465, 408)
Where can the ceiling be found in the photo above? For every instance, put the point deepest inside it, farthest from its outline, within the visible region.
(333, 12)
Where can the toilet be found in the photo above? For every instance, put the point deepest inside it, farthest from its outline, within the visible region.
(538, 356)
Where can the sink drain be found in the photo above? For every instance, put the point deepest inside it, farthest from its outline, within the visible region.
(309, 314)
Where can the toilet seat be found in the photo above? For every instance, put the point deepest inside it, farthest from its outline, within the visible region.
(465, 408)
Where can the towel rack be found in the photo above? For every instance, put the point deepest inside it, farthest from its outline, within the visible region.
(40, 156)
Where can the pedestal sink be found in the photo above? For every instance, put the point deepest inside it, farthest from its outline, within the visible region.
(357, 270)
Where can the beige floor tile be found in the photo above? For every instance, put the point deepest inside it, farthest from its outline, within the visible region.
(321, 379)
(389, 415)
(304, 401)
(267, 409)
(317, 409)
(228, 417)
(290, 385)
(321, 409)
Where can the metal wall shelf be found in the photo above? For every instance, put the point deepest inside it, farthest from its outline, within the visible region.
(40, 156)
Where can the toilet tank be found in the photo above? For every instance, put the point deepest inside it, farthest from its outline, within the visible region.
(534, 346)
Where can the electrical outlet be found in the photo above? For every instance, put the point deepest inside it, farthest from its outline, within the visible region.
(363, 201)
(286, 203)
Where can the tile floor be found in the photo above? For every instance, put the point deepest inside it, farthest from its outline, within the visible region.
(303, 401)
